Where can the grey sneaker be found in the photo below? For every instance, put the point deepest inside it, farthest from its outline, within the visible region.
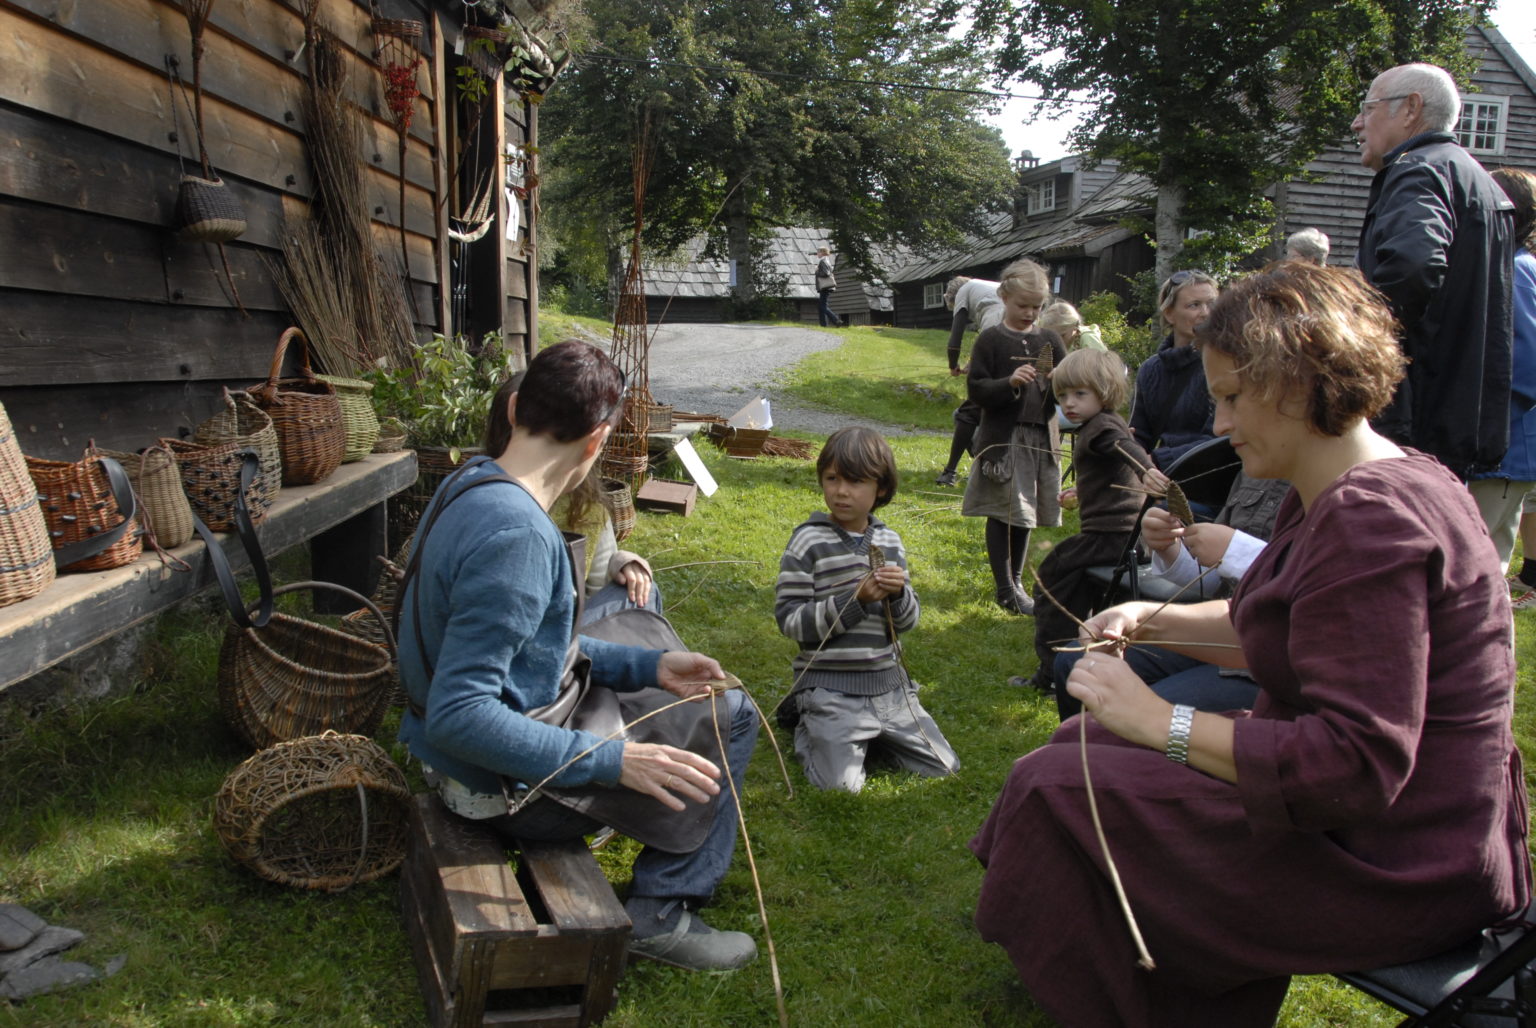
(695, 946)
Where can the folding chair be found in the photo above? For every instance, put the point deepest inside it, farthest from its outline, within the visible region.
(1486, 982)
(1205, 473)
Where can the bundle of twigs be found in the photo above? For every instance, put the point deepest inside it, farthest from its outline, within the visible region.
(370, 295)
(315, 285)
(778, 446)
(198, 12)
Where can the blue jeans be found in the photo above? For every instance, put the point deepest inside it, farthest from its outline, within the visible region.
(1173, 676)
(657, 873)
(824, 311)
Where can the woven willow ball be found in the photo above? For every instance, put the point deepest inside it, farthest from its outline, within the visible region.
(321, 812)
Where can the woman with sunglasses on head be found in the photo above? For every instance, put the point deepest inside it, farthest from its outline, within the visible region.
(1371, 809)
(1171, 411)
(486, 642)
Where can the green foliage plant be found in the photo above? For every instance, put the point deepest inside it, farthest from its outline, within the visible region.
(442, 396)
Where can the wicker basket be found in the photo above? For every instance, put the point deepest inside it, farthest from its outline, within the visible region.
(79, 505)
(306, 414)
(400, 28)
(26, 555)
(295, 677)
(391, 437)
(207, 211)
(322, 812)
(358, 419)
(162, 498)
(658, 418)
(621, 507)
(211, 478)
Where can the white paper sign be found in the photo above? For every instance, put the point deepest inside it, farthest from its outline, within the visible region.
(754, 415)
(696, 469)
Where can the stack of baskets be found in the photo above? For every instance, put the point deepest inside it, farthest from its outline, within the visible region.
(210, 463)
(26, 555)
(306, 414)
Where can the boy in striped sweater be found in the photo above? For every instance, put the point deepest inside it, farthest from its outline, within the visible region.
(851, 692)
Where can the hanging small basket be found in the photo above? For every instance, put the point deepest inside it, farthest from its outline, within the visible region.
(323, 812)
(397, 28)
(207, 211)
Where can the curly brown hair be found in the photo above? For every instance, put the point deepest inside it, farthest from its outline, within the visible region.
(1322, 335)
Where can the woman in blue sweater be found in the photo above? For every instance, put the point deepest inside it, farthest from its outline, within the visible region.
(485, 637)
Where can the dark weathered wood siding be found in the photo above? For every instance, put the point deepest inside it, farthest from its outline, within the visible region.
(116, 329)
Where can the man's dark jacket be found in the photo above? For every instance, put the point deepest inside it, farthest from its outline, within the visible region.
(1438, 241)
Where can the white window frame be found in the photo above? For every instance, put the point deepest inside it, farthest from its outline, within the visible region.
(933, 294)
(1472, 124)
(1040, 197)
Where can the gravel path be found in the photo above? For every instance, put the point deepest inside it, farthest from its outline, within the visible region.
(717, 369)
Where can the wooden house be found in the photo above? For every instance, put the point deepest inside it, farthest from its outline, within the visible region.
(1066, 214)
(695, 287)
(117, 330)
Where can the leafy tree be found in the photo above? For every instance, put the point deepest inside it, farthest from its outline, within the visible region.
(1214, 101)
(761, 114)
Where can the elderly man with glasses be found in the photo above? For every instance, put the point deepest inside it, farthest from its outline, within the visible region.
(1438, 241)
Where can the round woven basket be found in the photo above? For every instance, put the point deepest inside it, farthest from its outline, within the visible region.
(358, 418)
(311, 436)
(323, 812)
(26, 554)
(294, 677)
(621, 507)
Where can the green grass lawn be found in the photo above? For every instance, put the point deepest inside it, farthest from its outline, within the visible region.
(105, 818)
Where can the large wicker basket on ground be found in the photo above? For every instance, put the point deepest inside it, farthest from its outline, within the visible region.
(326, 812)
(294, 677)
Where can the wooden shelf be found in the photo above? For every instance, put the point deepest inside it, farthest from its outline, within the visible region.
(81, 609)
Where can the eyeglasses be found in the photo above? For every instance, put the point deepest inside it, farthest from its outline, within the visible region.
(1381, 100)
(619, 403)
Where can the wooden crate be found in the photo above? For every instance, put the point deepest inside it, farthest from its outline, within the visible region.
(738, 442)
(544, 944)
(666, 495)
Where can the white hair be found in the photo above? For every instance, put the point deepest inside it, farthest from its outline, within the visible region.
(1309, 245)
(1442, 102)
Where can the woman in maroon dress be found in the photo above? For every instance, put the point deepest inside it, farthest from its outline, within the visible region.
(1370, 810)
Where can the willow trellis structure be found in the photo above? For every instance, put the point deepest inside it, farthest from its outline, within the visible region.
(627, 455)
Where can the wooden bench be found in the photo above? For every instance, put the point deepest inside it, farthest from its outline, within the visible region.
(542, 944)
(342, 518)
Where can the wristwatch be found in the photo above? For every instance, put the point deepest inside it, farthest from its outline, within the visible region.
(1178, 733)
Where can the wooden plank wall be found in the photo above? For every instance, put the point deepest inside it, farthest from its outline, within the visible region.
(1334, 193)
(114, 328)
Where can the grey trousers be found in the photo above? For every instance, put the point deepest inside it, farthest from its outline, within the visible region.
(838, 731)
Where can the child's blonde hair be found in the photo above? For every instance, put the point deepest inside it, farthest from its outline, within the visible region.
(1058, 316)
(1101, 371)
(1025, 276)
(863, 455)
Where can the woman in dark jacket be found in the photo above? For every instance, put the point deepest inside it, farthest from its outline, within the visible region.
(1171, 411)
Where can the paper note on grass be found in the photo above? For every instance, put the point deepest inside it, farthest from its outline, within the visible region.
(696, 469)
(754, 415)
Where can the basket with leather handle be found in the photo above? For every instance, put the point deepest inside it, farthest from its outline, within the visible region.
(306, 414)
(91, 512)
